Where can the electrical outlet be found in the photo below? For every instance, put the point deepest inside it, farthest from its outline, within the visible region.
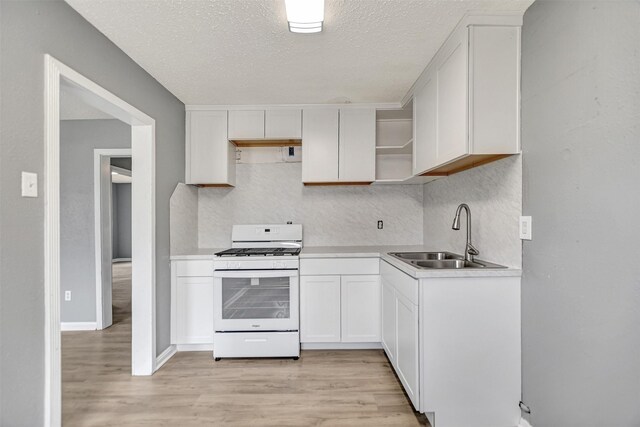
(380, 224)
(67, 295)
(525, 228)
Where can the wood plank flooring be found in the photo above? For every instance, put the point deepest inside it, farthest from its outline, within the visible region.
(323, 388)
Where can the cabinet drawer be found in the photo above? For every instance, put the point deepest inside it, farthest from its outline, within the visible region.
(404, 284)
(338, 266)
(200, 268)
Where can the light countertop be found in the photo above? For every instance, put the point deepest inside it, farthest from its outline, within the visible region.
(315, 252)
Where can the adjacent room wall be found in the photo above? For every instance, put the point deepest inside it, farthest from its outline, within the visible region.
(335, 215)
(581, 283)
(78, 140)
(121, 203)
(494, 195)
(28, 30)
(184, 219)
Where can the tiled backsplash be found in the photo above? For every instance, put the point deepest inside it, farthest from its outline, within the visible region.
(331, 216)
(494, 194)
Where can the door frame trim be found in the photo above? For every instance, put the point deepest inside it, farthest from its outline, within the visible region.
(98, 154)
(143, 342)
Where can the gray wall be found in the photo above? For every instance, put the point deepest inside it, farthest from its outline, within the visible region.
(184, 219)
(335, 216)
(121, 220)
(494, 194)
(78, 139)
(581, 284)
(28, 30)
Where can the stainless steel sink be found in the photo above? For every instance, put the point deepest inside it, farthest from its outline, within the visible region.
(440, 260)
(425, 256)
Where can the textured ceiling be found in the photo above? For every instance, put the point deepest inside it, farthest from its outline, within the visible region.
(241, 52)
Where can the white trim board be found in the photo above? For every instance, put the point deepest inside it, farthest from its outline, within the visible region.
(165, 356)
(143, 299)
(101, 159)
(77, 326)
(195, 347)
(377, 106)
(340, 345)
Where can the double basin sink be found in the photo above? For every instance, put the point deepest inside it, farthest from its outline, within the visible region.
(440, 260)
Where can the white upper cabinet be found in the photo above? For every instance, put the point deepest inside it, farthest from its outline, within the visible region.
(357, 143)
(320, 145)
(425, 107)
(338, 145)
(283, 124)
(452, 103)
(467, 101)
(246, 124)
(210, 157)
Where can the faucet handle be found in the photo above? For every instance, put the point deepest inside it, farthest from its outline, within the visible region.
(471, 250)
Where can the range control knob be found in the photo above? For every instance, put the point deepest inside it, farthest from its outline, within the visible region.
(278, 264)
(231, 265)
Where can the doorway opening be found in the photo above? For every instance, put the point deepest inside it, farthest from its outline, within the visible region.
(142, 127)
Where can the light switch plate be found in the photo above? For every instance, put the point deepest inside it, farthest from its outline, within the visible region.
(525, 228)
(29, 184)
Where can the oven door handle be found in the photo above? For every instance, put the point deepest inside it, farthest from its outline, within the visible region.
(251, 274)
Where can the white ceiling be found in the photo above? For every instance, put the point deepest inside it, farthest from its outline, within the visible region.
(241, 52)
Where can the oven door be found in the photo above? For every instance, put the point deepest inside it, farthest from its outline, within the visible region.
(255, 300)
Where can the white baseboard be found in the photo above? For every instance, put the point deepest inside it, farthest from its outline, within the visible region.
(524, 423)
(78, 326)
(341, 346)
(165, 356)
(195, 347)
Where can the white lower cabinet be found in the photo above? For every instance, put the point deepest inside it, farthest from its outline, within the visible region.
(389, 321)
(400, 335)
(340, 301)
(195, 310)
(320, 308)
(340, 309)
(192, 304)
(360, 302)
(407, 348)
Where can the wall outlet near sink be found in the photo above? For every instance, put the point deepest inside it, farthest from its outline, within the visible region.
(525, 228)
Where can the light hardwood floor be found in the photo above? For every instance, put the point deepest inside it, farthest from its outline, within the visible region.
(323, 388)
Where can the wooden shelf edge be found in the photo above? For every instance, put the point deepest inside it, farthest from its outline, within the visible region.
(213, 185)
(317, 184)
(465, 163)
(246, 143)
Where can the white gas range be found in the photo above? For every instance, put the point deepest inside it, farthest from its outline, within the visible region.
(256, 288)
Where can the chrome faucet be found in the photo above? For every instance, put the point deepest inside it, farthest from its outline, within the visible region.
(470, 251)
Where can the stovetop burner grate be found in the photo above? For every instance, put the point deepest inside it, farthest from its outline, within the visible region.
(259, 252)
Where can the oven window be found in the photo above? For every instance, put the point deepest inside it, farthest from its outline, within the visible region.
(257, 298)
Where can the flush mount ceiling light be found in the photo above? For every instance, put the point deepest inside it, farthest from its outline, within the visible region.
(305, 16)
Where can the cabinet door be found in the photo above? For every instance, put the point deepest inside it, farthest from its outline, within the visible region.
(453, 102)
(283, 124)
(389, 321)
(246, 124)
(210, 157)
(357, 145)
(425, 122)
(194, 310)
(407, 359)
(320, 145)
(320, 308)
(360, 308)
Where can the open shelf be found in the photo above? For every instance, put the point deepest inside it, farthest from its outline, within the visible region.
(406, 148)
